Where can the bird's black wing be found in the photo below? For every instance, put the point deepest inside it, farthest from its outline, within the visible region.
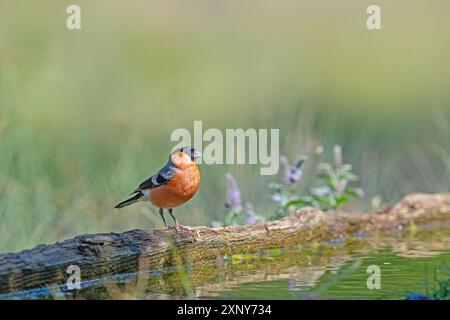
(162, 177)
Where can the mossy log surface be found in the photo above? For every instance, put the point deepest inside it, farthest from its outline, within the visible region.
(102, 255)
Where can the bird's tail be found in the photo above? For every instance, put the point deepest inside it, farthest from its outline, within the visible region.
(137, 197)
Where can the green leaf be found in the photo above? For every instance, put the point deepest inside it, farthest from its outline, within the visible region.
(298, 202)
(332, 201)
(341, 200)
(354, 192)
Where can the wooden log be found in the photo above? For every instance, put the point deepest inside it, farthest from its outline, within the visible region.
(101, 255)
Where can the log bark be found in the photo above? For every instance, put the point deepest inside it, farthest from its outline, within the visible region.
(102, 255)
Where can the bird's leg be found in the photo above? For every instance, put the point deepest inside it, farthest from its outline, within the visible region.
(161, 213)
(178, 226)
(173, 217)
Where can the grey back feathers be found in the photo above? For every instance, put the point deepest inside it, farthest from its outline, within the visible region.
(162, 177)
(141, 193)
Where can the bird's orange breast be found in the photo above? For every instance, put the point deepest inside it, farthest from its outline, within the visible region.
(182, 187)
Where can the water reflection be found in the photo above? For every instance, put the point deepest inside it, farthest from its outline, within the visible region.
(336, 269)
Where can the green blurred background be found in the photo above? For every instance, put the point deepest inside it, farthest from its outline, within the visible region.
(86, 115)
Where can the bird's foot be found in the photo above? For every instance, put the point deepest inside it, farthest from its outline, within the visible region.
(195, 232)
(180, 227)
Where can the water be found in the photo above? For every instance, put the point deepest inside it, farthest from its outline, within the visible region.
(408, 262)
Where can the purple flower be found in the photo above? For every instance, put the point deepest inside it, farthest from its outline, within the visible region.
(234, 194)
(250, 213)
(250, 219)
(292, 173)
(320, 191)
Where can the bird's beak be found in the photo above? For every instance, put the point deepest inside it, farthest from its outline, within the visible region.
(197, 154)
